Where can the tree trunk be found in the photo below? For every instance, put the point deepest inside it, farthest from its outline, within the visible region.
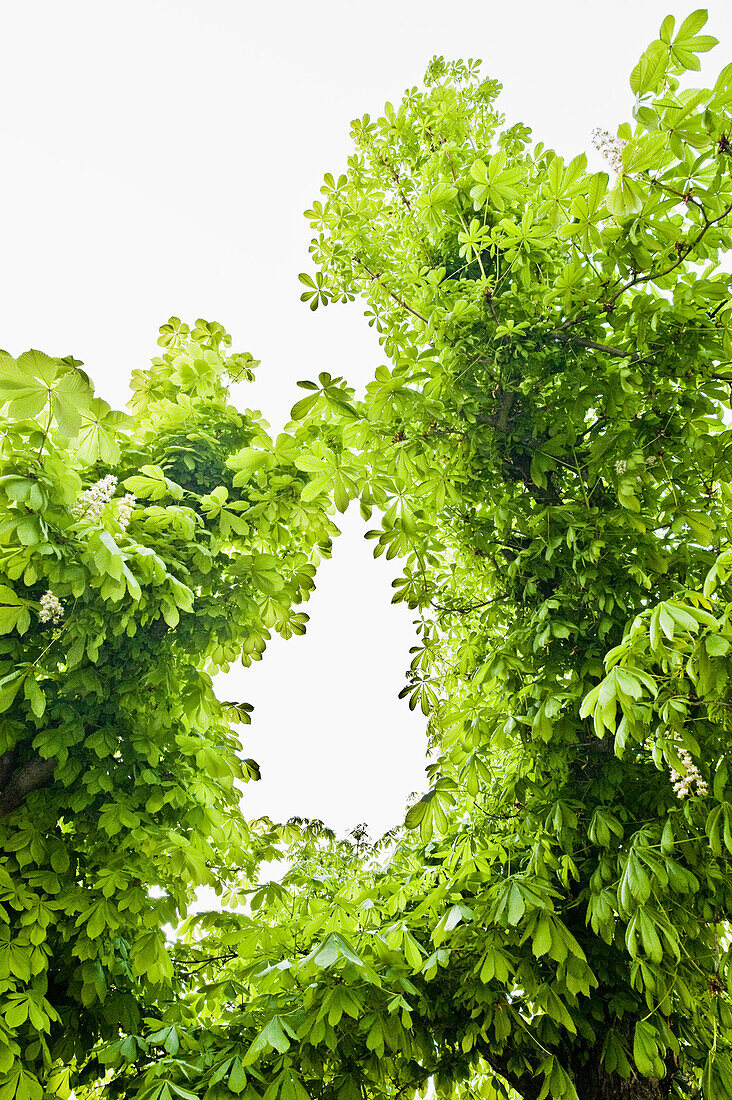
(593, 1083)
(590, 1080)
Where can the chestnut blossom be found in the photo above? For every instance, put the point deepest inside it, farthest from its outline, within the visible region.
(125, 509)
(610, 146)
(52, 610)
(682, 784)
(92, 501)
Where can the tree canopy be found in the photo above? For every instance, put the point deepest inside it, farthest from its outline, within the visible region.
(133, 567)
(548, 455)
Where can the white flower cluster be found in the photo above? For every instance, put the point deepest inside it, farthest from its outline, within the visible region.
(682, 784)
(125, 509)
(651, 460)
(92, 501)
(52, 610)
(621, 465)
(610, 146)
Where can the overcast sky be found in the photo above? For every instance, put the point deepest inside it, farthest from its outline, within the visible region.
(157, 156)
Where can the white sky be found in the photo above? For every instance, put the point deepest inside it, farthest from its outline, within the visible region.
(157, 157)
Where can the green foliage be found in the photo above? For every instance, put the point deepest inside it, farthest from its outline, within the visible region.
(548, 452)
(134, 566)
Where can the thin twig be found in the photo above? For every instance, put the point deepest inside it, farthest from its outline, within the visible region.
(465, 610)
(616, 352)
(399, 301)
(683, 253)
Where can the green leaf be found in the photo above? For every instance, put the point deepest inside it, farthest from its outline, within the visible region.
(14, 614)
(328, 954)
(614, 1058)
(271, 1037)
(667, 29)
(542, 938)
(646, 1052)
(26, 394)
(237, 1077)
(21, 1084)
(98, 436)
(152, 484)
(70, 396)
(248, 461)
(302, 407)
(649, 74)
(10, 686)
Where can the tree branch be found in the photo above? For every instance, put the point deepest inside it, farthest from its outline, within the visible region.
(616, 352)
(465, 610)
(399, 301)
(526, 1085)
(398, 182)
(32, 775)
(638, 278)
(7, 763)
(683, 254)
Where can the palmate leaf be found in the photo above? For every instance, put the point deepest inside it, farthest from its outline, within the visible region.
(238, 712)
(625, 199)
(430, 812)
(14, 613)
(649, 74)
(152, 484)
(71, 395)
(646, 152)
(336, 948)
(319, 459)
(166, 1037)
(98, 436)
(647, 1051)
(250, 770)
(688, 42)
(25, 394)
(248, 461)
(273, 1036)
(29, 383)
(316, 293)
(36, 364)
(495, 182)
(20, 1084)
